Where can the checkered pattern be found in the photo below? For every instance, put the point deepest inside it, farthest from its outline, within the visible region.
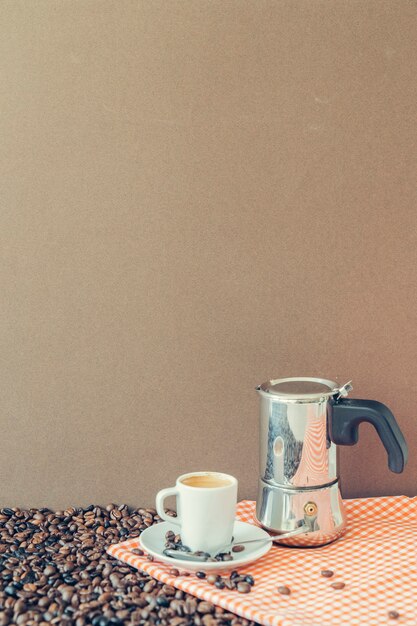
(376, 559)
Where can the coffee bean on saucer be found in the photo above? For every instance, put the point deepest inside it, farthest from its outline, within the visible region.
(327, 573)
(243, 587)
(338, 585)
(220, 584)
(227, 557)
(284, 590)
(169, 535)
(200, 574)
(238, 548)
(221, 555)
(233, 574)
(393, 614)
(202, 555)
(150, 557)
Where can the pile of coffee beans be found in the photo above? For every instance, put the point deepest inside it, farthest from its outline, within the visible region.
(54, 570)
(174, 542)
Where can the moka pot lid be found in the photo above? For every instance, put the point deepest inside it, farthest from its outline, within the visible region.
(303, 389)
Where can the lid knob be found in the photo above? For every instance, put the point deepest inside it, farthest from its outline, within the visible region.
(343, 391)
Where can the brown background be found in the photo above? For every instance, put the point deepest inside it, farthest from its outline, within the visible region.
(197, 196)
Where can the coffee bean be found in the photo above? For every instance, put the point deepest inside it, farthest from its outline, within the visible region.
(190, 606)
(284, 590)
(393, 614)
(173, 572)
(105, 597)
(200, 574)
(162, 601)
(243, 587)
(29, 578)
(205, 607)
(100, 620)
(149, 586)
(338, 585)
(137, 551)
(11, 590)
(69, 580)
(250, 579)
(115, 580)
(8, 512)
(327, 573)
(212, 579)
(168, 590)
(238, 548)
(220, 584)
(66, 593)
(20, 606)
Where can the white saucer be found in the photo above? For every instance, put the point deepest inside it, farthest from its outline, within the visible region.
(153, 542)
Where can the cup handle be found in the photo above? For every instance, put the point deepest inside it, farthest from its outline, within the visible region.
(160, 498)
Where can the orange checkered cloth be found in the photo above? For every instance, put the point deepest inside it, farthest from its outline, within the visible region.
(376, 559)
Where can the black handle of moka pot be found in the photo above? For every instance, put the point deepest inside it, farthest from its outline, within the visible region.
(348, 414)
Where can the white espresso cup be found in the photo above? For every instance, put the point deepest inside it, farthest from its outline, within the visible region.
(206, 508)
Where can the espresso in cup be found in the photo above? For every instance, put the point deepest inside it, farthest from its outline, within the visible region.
(206, 481)
(206, 508)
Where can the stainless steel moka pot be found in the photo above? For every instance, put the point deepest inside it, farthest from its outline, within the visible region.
(302, 421)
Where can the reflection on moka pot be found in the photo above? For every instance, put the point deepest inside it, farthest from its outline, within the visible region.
(302, 420)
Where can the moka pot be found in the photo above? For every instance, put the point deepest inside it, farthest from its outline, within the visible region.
(302, 421)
